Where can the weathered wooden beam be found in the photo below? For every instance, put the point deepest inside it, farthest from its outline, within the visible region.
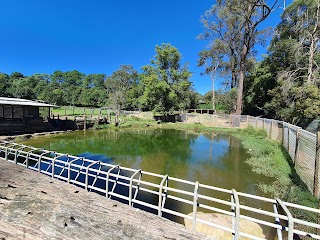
(34, 206)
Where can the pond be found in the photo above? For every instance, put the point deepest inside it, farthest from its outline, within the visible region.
(211, 158)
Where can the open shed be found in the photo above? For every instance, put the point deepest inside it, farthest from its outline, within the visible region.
(21, 115)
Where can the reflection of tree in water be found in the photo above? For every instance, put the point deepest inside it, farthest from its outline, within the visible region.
(213, 159)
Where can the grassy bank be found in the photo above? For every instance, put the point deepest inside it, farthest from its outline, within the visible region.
(128, 122)
(268, 157)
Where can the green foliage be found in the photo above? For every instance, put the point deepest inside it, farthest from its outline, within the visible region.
(225, 100)
(286, 84)
(166, 85)
(232, 28)
(163, 86)
(121, 84)
(260, 79)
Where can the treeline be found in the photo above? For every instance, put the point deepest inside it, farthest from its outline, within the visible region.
(224, 100)
(163, 86)
(286, 84)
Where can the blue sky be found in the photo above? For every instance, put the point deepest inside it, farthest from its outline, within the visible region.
(39, 36)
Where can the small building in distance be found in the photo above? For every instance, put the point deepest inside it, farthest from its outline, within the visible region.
(24, 116)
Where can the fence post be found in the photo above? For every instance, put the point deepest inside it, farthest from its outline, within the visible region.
(256, 123)
(271, 128)
(296, 153)
(282, 133)
(316, 169)
(288, 147)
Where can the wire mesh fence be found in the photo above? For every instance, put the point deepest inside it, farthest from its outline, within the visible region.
(131, 186)
(300, 144)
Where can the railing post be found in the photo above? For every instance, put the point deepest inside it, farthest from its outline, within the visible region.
(316, 169)
(165, 178)
(27, 158)
(87, 172)
(107, 179)
(195, 205)
(277, 221)
(96, 177)
(290, 219)
(16, 154)
(6, 154)
(53, 163)
(236, 218)
(130, 187)
(69, 168)
(39, 163)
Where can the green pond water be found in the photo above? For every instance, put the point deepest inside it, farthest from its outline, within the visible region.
(211, 158)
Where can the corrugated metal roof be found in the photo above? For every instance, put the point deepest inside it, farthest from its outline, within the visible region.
(22, 102)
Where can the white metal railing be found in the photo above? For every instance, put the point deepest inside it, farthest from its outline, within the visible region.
(88, 173)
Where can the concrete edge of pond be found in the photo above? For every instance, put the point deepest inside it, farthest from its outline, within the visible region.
(35, 206)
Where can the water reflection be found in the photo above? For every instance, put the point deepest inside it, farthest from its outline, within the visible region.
(210, 158)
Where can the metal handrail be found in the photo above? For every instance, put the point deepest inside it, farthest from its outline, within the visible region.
(161, 189)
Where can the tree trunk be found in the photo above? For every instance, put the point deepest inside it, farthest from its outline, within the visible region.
(312, 50)
(310, 65)
(241, 79)
(233, 79)
(213, 100)
(240, 92)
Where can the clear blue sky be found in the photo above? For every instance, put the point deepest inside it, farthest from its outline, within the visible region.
(96, 36)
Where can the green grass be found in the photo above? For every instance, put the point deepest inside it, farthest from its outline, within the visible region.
(128, 122)
(78, 111)
(269, 158)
